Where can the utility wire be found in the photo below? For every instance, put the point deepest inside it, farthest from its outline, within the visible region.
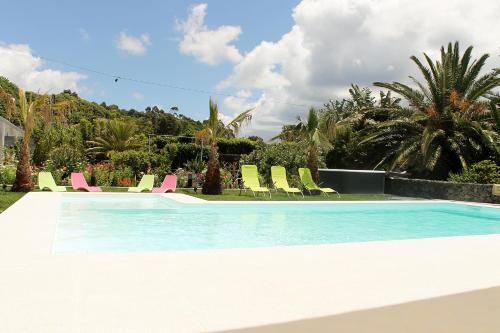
(118, 77)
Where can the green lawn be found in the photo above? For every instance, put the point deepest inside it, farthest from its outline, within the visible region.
(8, 198)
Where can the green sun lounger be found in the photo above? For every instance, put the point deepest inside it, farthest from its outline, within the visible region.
(310, 185)
(278, 175)
(46, 181)
(250, 177)
(146, 184)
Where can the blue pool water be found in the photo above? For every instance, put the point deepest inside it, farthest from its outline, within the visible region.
(129, 223)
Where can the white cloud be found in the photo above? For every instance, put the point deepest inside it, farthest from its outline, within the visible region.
(335, 43)
(138, 96)
(18, 64)
(84, 35)
(208, 46)
(133, 45)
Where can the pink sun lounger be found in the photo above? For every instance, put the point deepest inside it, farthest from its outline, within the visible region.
(169, 184)
(79, 183)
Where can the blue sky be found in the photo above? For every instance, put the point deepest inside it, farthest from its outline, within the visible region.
(84, 33)
(278, 56)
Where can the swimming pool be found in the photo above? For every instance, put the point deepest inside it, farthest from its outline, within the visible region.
(131, 223)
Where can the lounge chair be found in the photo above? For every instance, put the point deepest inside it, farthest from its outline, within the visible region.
(250, 177)
(46, 181)
(310, 185)
(278, 175)
(79, 183)
(169, 184)
(146, 184)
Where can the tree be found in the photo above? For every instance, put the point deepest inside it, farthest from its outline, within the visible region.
(116, 136)
(28, 108)
(444, 128)
(214, 130)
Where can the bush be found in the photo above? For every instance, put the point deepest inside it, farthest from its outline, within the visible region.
(7, 174)
(56, 137)
(182, 178)
(236, 146)
(68, 158)
(182, 153)
(123, 176)
(291, 155)
(137, 161)
(484, 172)
(104, 174)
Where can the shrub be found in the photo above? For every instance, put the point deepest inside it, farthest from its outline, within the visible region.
(68, 158)
(484, 172)
(7, 174)
(123, 176)
(182, 177)
(290, 155)
(104, 174)
(182, 153)
(195, 166)
(227, 180)
(236, 146)
(137, 161)
(55, 137)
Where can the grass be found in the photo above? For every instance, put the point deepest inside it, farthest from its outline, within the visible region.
(8, 198)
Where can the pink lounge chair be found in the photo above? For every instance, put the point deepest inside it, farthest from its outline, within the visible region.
(169, 184)
(79, 183)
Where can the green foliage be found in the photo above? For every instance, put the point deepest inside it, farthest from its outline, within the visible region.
(484, 172)
(67, 157)
(123, 176)
(138, 161)
(291, 155)
(48, 139)
(236, 146)
(7, 174)
(180, 154)
(104, 174)
(447, 124)
(195, 166)
(116, 136)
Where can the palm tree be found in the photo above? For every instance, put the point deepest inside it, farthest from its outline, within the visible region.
(314, 138)
(443, 129)
(116, 136)
(214, 130)
(28, 108)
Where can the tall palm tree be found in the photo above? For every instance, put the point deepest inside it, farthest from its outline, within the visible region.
(314, 138)
(29, 107)
(214, 130)
(443, 129)
(116, 136)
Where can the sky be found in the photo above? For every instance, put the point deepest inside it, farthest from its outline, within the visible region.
(279, 57)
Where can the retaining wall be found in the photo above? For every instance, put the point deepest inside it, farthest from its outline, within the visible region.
(433, 189)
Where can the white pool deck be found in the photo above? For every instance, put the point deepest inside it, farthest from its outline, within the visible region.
(427, 285)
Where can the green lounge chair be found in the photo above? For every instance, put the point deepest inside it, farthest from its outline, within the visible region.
(46, 181)
(278, 175)
(146, 184)
(310, 185)
(250, 177)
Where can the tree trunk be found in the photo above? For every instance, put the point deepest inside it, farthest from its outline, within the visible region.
(312, 162)
(212, 184)
(23, 182)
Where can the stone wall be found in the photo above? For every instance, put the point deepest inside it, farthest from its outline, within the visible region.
(432, 189)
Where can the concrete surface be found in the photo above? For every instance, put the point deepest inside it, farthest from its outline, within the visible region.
(427, 285)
